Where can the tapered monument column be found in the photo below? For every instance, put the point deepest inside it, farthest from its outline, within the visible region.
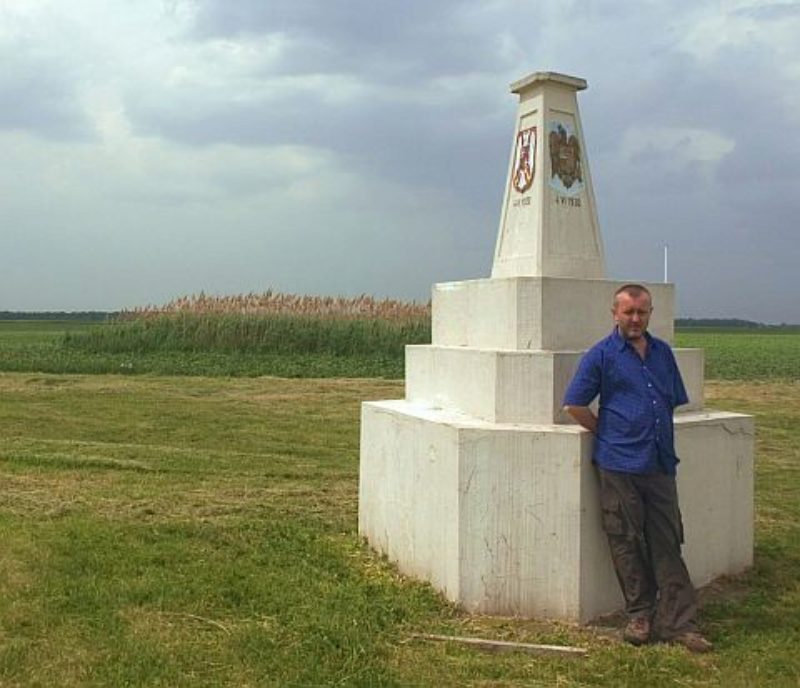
(548, 223)
(477, 481)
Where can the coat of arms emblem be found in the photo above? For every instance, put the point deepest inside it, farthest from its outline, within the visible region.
(524, 159)
(565, 159)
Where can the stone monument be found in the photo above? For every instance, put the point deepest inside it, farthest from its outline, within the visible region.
(478, 481)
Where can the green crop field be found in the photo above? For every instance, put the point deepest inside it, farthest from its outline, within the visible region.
(249, 346)
(74, 347)
(746, 355)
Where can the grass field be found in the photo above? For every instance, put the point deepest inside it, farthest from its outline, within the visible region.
(202, 532)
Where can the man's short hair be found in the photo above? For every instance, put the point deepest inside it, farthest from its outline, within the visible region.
(633, 290)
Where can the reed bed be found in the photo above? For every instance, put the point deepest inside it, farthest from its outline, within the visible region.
(265, 324)
(228, 333)
(294, 305)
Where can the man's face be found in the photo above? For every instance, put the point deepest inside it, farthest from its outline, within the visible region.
(632, 314)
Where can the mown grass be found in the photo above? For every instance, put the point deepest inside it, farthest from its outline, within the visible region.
(187, 533)
(202, 532)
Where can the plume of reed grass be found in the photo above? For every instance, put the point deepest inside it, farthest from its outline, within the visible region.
(276, 303)
(269, 323)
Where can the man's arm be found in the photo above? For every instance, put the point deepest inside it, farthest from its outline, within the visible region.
(583, 388)
(584, 416)
(679, 396)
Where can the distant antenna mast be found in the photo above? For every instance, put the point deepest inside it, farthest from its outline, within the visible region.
(666, 263)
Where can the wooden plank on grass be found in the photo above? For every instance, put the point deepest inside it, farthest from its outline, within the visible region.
(507, 645)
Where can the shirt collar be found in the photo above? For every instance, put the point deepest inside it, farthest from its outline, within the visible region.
(621, 342)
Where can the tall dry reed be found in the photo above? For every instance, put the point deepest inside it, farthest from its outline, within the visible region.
(277, 303)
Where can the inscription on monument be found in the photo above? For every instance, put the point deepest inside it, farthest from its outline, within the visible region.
(567, 201)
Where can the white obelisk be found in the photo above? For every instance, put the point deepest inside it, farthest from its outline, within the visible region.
(477, 481)
(548, 223)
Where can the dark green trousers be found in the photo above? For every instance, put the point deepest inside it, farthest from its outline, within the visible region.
(643, 523)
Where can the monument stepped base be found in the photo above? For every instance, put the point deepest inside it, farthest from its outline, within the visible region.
(535, 313)
(506, 386)
(504, 518)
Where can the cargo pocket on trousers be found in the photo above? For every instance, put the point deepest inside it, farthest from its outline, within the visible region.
(612, 516)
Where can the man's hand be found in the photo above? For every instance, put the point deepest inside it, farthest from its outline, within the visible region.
(583, 416)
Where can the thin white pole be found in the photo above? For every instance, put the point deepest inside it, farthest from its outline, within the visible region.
(666, 263)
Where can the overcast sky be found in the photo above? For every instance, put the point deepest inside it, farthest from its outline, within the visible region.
(156, 148)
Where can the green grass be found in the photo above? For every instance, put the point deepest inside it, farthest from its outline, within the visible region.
(187, 531)
(259, 334)
(746, 355)
(288, 347)
(92, 348)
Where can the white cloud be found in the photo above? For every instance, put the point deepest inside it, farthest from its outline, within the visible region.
(681, 145)
(763, 25)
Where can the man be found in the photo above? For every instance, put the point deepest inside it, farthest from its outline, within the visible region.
(639, 385)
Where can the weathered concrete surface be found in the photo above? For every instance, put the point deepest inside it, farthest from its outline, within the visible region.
(504, 518)
(505, 386)
(535, 313)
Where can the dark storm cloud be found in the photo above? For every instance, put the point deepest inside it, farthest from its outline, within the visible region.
(387, 40)
(411, 142)
(706, 209)
(730, 222)
(387, 48)
(709, 96)
(39, 97)
(691, 120)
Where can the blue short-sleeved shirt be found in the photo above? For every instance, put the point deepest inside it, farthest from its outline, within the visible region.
(637, 398)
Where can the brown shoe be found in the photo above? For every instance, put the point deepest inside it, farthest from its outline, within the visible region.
(693, 641)
(637, 632)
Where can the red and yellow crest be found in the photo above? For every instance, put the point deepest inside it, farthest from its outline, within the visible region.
(524, 160)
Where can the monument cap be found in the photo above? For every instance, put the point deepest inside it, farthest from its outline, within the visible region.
(572, 81)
